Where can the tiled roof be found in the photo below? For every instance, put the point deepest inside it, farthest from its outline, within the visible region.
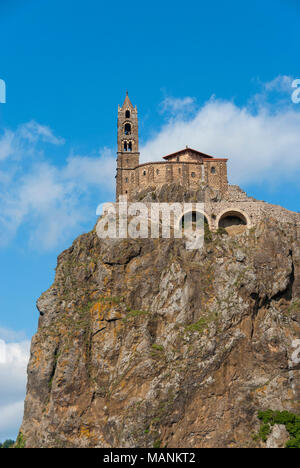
(191, 150)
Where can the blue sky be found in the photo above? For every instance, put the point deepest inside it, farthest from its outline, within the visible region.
(212, 75)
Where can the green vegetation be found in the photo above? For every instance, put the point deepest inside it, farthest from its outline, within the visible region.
(20, 442)
(157, 444)
(294, 307)
(289, 420)
(109, 299)
(157, 347)
(207, 233)
(50, 384)
(157, 351)
(7, 443)
(221, 231)
(134, 313)
(199, 326)
(263, 433)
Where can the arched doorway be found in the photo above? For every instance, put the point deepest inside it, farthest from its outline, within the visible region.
(193, 220)
(234, 222)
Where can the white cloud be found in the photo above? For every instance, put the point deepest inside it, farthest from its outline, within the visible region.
(13, 363)
(281, 83)
(10, 420)
(51, 201)
(22, 142)
(273, 94)
(177, 105)
(11, 335)
(33, 131)
(6, 145)
(262, 146)
(92, 170)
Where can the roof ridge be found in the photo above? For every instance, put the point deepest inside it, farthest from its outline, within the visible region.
(188, 149)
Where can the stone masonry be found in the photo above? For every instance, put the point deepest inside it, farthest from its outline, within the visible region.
(199, 174)
(187, 167)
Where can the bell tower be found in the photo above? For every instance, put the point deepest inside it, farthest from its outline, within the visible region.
(128, 148)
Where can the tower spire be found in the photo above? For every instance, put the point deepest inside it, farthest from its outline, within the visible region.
(128, 146)
(127, 101)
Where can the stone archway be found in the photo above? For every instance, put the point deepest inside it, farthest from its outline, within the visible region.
(234, 221)
(189, 218)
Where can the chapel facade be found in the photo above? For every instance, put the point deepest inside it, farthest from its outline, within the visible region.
(226, 206)
(188, 167)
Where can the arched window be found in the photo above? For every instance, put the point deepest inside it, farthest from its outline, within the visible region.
(127, 129)
(130, 146)
(213, 170)
(193, 174)
(157, 171)
(125, 145)
(126, 179)
(127, 114)
(144, 172)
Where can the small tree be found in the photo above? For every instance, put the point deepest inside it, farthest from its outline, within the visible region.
(7, 443)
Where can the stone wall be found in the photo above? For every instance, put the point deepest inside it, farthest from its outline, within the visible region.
(217, 204)
(186, 173)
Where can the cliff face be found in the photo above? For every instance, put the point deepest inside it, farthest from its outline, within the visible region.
(143, 343)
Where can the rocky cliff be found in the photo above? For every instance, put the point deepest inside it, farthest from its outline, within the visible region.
(142, 343)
